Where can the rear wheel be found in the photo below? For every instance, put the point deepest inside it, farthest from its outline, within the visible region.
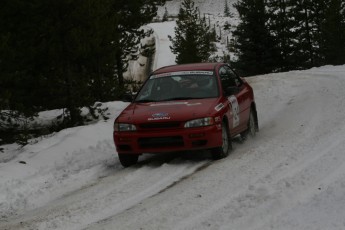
(223, 151)
(127, 160)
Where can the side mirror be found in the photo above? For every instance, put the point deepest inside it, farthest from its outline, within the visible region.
(127, 97)
(231, 90)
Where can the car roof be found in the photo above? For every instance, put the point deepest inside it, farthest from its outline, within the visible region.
(187, 67)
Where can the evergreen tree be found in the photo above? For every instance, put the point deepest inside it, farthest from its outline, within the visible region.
(226, 9)
(165, 15)
(343, 17)
(301, 34)
(76, 54)
(62, 54)
(15, 65)
(253, 43)
(308, 33)
(55, 52)
(281, 27)
(333, 33)
(307, 18)
(192, 42)
(132, 15)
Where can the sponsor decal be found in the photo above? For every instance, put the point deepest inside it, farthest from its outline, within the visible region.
(155, 115)
(159, 116)
(160, 75)
(182, 73)
(193, 104)
(235, 110)
(219, 107)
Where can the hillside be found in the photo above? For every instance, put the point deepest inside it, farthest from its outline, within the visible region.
(214, 7)
(213, 11)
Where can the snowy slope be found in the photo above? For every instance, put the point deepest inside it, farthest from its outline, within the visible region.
(290, 176)
(214, 7)
(163, 55)
(214, 13)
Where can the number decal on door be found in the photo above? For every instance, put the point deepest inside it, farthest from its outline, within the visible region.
(235, 110)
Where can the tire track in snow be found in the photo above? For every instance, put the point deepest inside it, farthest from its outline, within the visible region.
(107, 197)
(174, 183)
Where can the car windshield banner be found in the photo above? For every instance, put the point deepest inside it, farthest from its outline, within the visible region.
(179, 73)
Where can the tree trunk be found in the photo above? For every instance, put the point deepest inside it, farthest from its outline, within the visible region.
(119, 67)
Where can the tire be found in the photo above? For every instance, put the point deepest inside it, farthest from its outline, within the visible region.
(223, 151)
(127, 160)
(251, 130)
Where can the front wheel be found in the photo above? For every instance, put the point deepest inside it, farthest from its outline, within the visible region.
(223, 151)
(127, 160)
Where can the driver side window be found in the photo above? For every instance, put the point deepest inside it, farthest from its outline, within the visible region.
(229, 78)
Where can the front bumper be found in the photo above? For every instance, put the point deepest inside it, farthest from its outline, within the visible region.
(156, 141)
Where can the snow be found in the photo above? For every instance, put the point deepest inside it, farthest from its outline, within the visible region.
(290, 176)
(163, 55)
(213, 7)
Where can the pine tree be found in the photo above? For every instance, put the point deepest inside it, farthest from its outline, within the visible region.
(343, 18)
(253, 43)
(307, 18)
(15, 53)
(333, 33)
(76, 55)
(165, 15)
(308, 33)
(132, 14)
(226, 9)
(281, 27)
(192, 42)
(62, 54)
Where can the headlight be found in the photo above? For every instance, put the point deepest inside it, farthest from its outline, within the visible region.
(120, 127)
(199, 122)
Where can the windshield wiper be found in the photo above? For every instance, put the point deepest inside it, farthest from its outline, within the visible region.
(168, 99)
(178, 98)
(145, 101)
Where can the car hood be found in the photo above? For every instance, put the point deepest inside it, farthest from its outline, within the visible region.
(168, 111)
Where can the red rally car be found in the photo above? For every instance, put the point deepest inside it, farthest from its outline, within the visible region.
(186, 107)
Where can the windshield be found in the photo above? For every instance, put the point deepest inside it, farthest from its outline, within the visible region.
(179, 86)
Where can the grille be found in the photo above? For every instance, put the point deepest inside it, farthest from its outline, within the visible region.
(158, 142)
(160, 125)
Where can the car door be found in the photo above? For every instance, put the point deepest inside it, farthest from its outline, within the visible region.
(237, 95)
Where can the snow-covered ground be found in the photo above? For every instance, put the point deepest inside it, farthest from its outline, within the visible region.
(290, 176)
